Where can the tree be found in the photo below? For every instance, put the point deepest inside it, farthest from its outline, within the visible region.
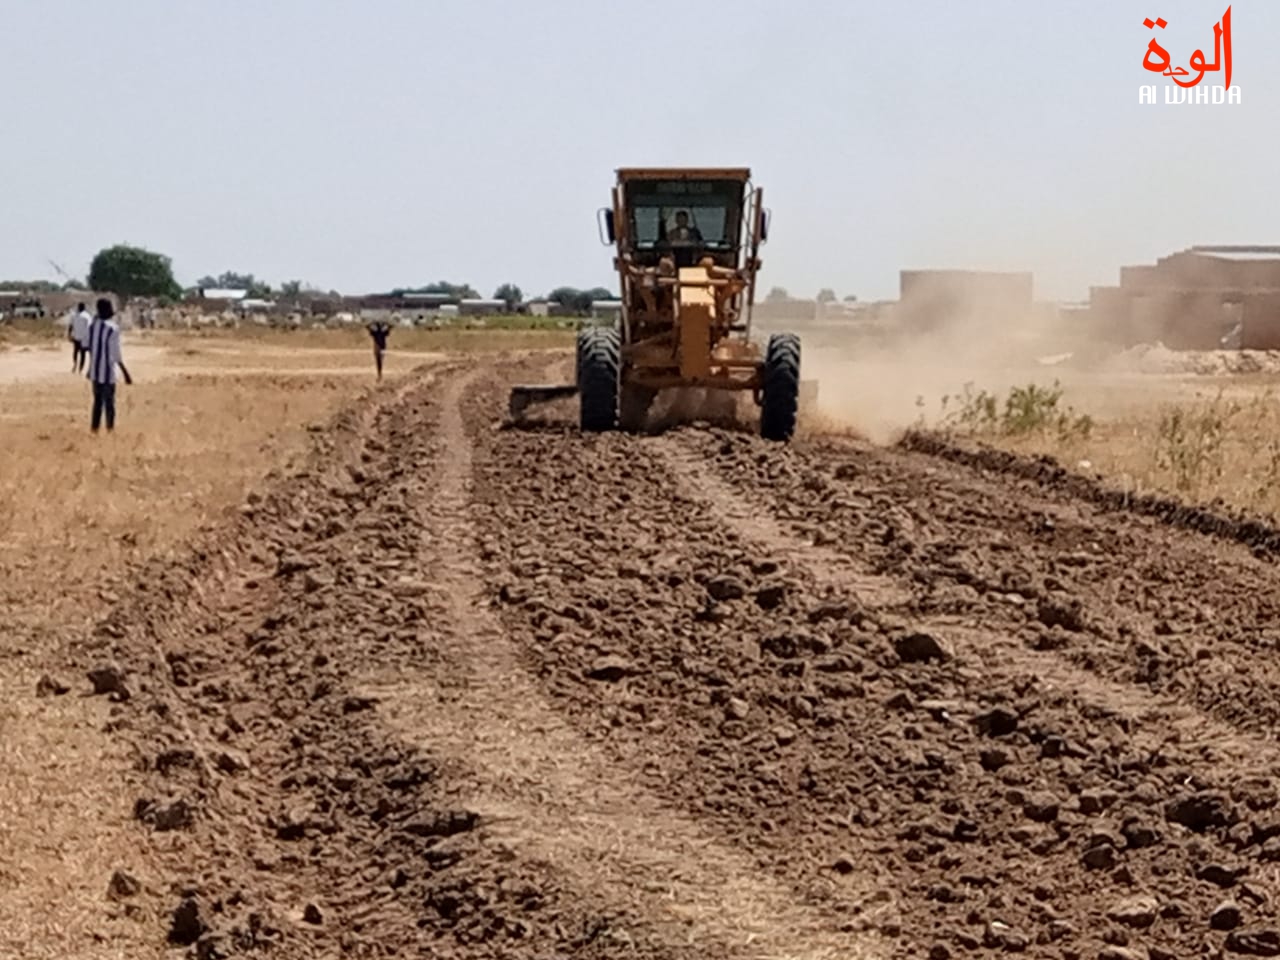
(33, 286)
(826, 295)
(571, 298)
(778, 293)
(460, 291)
(600, 293)
(851, 299)
(291, 289)
(510, 294)
(231, 280)
(129, 271)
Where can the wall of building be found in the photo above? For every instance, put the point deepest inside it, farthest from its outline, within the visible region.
(1190, 301)
(1260, 316)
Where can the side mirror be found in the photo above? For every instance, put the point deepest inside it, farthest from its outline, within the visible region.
(764, 225)
(604, 220)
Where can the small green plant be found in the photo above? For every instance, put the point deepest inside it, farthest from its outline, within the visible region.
(1190, 443)
(1026, 411)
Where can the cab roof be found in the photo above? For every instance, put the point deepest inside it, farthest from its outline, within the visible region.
(683, 173)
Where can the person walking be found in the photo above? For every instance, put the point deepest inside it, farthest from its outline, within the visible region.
(78, 333)
(379, 330)
(104, 356)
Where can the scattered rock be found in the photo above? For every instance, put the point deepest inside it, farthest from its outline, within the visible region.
(844, 865)
(1139, 835)
(312, 914)
(410, 587)
(1199, 811)
(737, 709)
(785, 735)
(1052, 613)
(1136, 912)
(1041, 807)
(726, 588)
(186, 926)
(611, 670)
(109, 681)
(1254, 943)
(771, 596)
(1226, 916)
(999, 722)
(175, 815)
(315, 581)
(1093, 802)
(123, 885)
(292, 562)
(230, 762)
(1220, 875)
(919, 648)
(47, 686)
(1119, 953)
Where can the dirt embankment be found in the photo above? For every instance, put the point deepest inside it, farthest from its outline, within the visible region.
(526, 693)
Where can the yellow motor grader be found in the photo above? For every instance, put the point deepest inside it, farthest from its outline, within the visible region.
(687, 254)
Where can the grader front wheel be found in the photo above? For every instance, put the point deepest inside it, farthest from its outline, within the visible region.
(780, 387)
(599, 358)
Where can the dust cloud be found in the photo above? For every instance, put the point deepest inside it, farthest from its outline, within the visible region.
(879, 377)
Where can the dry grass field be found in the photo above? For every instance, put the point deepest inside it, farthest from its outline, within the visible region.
(1211, 442)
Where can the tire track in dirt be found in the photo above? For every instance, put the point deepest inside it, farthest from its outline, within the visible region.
(316, 830)
(1143, 746)
(1122, 596)
(547, 793)
(1157, 720)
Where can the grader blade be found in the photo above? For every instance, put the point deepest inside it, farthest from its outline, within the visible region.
(527, 395)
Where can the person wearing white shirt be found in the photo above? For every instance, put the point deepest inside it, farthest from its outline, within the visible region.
(103, 344)
(78, 333)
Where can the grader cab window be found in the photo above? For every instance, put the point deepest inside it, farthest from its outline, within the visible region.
(692, 215)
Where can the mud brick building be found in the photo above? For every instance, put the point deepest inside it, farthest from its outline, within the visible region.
(1202, 298)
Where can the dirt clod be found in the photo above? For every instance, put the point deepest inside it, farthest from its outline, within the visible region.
(123, 885)
(109, 681)
(920, 647)
(1226, 916)
(186, 925)
(48, 686)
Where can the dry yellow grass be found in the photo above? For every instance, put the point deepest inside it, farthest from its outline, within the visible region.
(74, 509)
(1221, 444)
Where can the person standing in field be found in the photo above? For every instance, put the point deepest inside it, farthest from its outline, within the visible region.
(379, 330)
(103, 345)
(78, 334)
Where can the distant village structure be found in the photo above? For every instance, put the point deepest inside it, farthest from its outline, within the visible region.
(1201, 298)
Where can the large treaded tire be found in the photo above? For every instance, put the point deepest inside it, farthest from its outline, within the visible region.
(780, 389)
(599, 359)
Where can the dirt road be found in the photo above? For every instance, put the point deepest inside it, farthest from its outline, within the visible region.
(524, 693)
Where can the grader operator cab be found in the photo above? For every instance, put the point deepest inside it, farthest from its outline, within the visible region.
(687, 253)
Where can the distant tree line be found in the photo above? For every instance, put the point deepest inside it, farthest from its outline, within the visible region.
(131, 271)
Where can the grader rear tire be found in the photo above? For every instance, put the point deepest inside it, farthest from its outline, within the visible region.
(780, 391)
(599, 355)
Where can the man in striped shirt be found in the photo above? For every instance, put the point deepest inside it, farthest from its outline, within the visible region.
(104, 356)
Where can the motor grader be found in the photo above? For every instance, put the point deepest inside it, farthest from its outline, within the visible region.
(687, 247)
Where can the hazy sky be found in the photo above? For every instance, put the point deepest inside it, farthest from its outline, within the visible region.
(393, 142)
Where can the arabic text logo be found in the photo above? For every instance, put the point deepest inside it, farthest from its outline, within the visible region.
(1158, 60)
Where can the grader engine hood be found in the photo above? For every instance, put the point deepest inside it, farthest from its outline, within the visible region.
(695, 320)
